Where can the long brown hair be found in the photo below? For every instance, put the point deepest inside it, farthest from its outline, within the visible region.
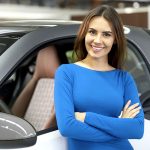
(117, 55)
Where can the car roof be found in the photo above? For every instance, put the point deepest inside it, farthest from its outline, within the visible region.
(19, 26)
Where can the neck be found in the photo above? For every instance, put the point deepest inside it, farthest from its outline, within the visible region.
(97, 64)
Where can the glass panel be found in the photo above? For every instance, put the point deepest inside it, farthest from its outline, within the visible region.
(136, 65)
(5, 43)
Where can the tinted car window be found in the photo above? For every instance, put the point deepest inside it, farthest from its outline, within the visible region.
(6, 42)
(136, 65)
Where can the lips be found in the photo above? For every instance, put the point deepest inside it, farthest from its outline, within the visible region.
(97, 48)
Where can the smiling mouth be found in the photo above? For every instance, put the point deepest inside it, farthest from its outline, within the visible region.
(97, 49)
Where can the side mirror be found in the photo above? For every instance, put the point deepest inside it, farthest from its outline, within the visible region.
(16, 132)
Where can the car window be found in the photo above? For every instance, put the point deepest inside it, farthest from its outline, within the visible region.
(136, 65)
(6, 41)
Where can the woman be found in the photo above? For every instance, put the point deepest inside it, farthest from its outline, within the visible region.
(91, 93)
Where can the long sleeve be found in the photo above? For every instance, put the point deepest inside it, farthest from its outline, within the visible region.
(121, 127)
(65, 115)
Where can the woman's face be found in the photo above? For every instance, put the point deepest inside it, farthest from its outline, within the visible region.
(99, 38)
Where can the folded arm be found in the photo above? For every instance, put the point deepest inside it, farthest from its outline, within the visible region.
(126, 128)
(129, 128)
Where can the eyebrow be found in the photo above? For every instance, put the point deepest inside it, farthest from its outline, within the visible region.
(107, 32)
(103, 31)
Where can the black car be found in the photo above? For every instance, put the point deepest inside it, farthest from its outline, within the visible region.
(20, 43)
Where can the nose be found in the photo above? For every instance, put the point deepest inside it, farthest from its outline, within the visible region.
(98, 38)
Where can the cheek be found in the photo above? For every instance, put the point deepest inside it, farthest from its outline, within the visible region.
(88, 38)
(110, 43)
(86, 41)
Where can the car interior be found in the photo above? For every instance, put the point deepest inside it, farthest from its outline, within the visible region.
(30, 88)
(37, 107)
(36, 98)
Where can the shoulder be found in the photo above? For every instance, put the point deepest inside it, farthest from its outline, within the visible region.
(65, 70)
(127, 77)
(125, 74)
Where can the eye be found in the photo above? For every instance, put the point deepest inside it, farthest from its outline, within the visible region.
(106, 34)
(92, 32)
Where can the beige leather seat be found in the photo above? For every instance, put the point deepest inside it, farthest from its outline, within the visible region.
(35, 102)
(41, 104)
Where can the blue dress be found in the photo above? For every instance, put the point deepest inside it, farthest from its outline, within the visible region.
(102, 95)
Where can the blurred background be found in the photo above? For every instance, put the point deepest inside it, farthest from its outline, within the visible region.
(136, 13)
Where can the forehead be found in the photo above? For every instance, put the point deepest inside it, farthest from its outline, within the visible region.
(100, 23)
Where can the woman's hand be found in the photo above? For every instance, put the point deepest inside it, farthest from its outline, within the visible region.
(130, 111)
(80, 116)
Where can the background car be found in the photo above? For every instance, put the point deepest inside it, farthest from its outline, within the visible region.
(20, 42)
